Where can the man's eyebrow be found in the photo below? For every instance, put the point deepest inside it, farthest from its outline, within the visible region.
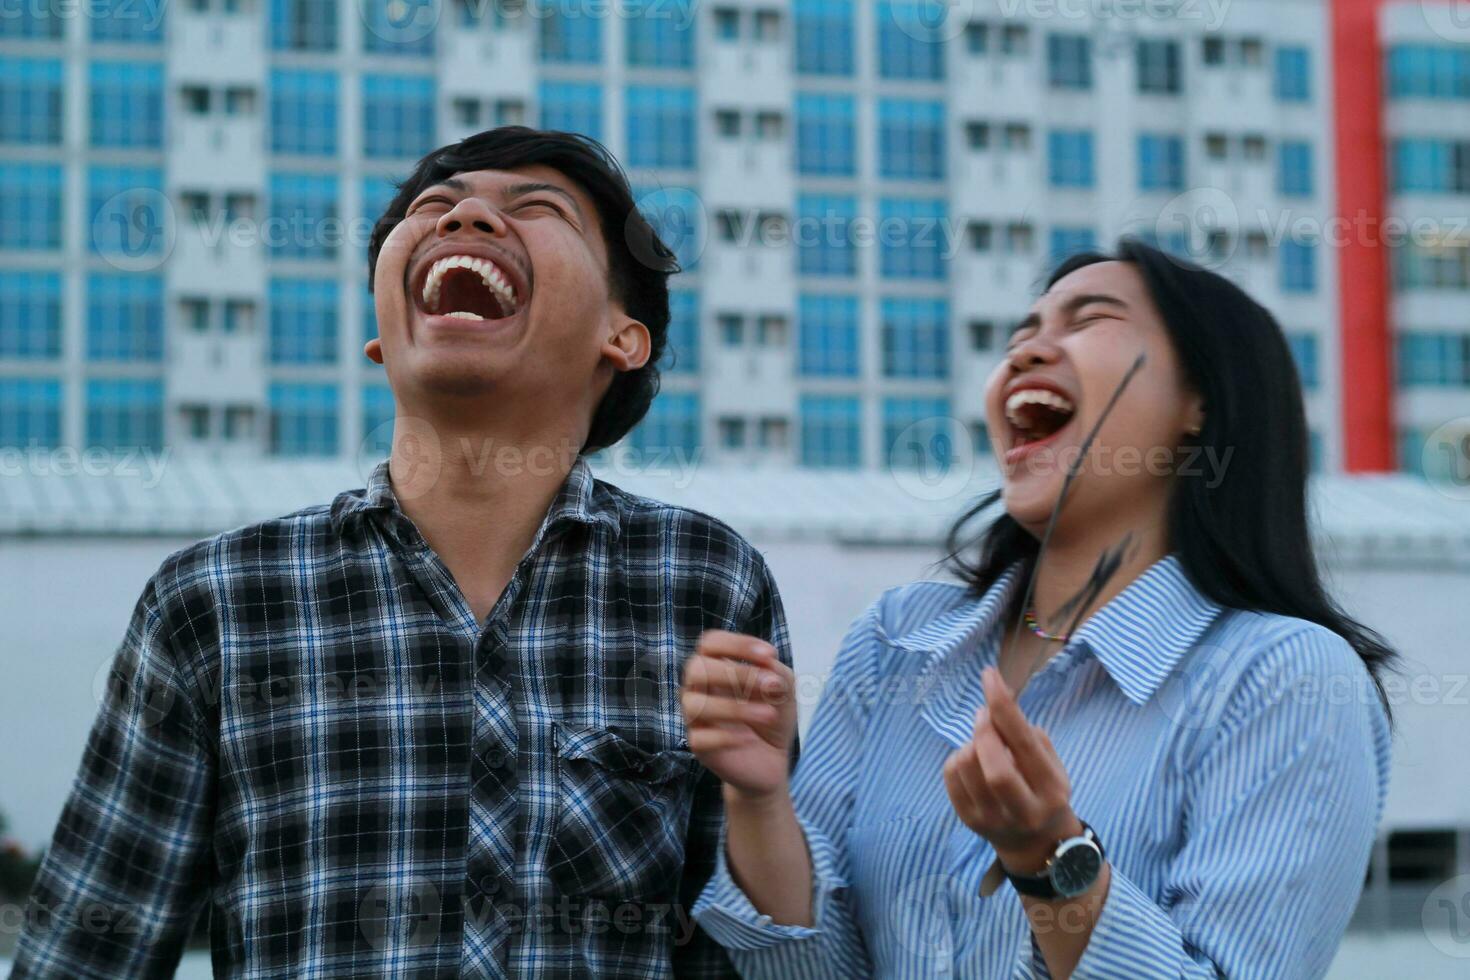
(453, 183)
(1070, 306)
(537, 186)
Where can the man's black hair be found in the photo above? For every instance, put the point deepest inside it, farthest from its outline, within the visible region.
(639, 264)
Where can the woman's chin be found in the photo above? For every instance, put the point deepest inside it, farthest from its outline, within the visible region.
(1031, 500)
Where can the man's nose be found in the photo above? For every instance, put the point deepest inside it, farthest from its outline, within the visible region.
(472, 212)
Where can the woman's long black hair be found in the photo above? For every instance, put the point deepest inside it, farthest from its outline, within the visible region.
(1245, 541)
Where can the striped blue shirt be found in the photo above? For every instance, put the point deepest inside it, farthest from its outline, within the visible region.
(1234, 764)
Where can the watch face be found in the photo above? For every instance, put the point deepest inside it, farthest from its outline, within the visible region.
(1076, 867)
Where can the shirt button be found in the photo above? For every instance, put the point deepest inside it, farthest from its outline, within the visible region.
(763, 920)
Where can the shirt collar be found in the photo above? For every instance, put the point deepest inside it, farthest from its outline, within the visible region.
(1139, 636)
(581, 499)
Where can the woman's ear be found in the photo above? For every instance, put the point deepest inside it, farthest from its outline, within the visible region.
(629, 345)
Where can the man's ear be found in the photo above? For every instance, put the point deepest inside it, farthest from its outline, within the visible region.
(628, 345)
(374, 350)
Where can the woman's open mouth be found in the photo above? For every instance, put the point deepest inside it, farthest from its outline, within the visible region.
(1037, 416)
(468, 287)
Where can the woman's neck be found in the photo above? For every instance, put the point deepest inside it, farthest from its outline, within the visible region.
(1079, 575)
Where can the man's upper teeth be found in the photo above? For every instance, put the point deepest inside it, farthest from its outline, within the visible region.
(489, 275)
(1037, 396)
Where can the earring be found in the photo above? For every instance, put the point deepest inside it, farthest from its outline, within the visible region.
(1195, 430)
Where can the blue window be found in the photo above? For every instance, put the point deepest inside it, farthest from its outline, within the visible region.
(378, 414)
(303, 321)
(570, 34)
(827, 345)
(683, 349)
(671, 426)
(831, 431)
(826, 135)
(1433, 359)
(1429, 266)
(1293, 81)
(397, 115)
(575, 107)
(1304, 351)
(1429, 71)
(125, 21)
(678, 217)
(899, 415)
(30, 315)
(908, 45)
(30, 205)
(660, 127)
(127, 213)
(661, 35)
(377, 194)
(912, 238)
(1298, 266)
(823, 234)
(303, 25)
(30, 412)
(1160, 162)
(1294, 168)
(399, 28)
(33, 22)
(1067, 240)
(303, 419)
(1431, 166)
(127, 104)
(1069, 61)
(30, 101)
(825, 32)
(304, 112)
(915, 338)
(304, 220)
(1070, 158)
(124, 317)
(911, 139)
(125, 413)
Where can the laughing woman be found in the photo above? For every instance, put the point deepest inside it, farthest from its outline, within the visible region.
(1138, 740)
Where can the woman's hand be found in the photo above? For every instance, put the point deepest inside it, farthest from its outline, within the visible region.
(739, 704)
(1008, 785)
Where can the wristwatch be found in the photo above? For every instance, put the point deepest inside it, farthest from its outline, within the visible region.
(1070, 871)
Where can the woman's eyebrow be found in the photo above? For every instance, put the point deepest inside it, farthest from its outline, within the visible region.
(1070, 306)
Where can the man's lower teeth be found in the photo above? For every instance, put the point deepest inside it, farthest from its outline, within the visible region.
(465, 315)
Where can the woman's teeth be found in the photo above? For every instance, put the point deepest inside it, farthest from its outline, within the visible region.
(1022, 400)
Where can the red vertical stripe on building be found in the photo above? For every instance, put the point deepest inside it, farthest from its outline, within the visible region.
(1363, 261)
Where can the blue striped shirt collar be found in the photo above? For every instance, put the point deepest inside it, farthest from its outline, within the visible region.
(1139, 636)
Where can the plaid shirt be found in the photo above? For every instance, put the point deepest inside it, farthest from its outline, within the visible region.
(387, 787)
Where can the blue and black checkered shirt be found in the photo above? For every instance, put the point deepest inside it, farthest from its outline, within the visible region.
(308, 732)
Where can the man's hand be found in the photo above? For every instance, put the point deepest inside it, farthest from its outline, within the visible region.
(1008, 785)
(739, 705)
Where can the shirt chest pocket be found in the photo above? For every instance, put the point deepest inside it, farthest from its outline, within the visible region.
(622, 815)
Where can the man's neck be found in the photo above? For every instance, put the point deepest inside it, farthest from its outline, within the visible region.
(478, 496)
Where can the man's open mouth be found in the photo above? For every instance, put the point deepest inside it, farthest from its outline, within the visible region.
(468, 287)
(1037, 414)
